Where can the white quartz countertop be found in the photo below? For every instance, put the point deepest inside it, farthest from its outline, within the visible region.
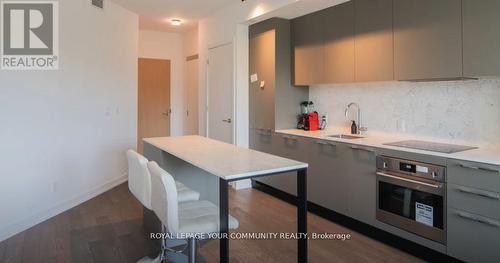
(222, 159)
(484, 154)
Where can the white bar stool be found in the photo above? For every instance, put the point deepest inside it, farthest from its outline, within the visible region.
(187, 218)
(139, 181)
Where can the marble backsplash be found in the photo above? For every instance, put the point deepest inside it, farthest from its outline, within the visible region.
(457, 111)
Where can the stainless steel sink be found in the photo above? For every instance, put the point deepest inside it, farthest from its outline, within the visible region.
(345, 136)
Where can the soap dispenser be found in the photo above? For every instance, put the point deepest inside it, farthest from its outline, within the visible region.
(354, 128)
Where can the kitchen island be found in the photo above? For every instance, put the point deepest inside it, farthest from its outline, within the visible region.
(208, 166)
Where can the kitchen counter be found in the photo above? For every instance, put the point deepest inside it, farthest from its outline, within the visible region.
(223, 160)
(484, 154)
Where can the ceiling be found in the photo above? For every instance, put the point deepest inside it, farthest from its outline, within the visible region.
(156, 14)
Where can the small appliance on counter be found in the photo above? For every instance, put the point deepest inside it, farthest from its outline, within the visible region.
(308, 118)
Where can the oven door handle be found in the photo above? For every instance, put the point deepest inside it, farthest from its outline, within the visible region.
(408, 180)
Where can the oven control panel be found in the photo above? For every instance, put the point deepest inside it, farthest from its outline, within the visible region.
(413, 168)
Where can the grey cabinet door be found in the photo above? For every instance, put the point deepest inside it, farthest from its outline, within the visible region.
(339, 43)
(362, 183)
(374, 50)
(307, 34)
(291, 147)
(261, 140)
(473, 238)
(262, 64)
(427, 39)
(327, 175)
(481, 37)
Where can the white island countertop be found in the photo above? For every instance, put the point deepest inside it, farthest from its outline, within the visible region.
(224, 160)
(487, 154)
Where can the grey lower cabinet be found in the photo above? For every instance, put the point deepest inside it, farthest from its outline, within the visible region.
(473, 238)
(473, 211)
(481, 37)
(427, 39)
(327, 175)
(287, 146)
(362, 183)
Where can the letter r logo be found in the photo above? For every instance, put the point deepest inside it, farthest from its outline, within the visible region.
(28, 28)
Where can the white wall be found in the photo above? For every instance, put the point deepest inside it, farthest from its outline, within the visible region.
(166, 45)
(231, 25)
(460, 111)
(64, 133)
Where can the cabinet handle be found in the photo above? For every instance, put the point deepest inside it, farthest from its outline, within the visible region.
(326, 143)
(478, 219)
(286, 137)
(478, 168)
(478, 193)
(266, 132)
(362, 149)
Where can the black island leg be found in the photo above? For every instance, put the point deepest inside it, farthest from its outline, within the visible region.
(224, 220)
(302, 214)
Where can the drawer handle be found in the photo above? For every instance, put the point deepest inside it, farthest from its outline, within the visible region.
(478, 219)
(362, 149)
(326, 143)
(266, 132)
(478, 193)
(286, 137)
(478, 168)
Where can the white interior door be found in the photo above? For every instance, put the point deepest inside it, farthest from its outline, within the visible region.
(220, 117)
(191, 117)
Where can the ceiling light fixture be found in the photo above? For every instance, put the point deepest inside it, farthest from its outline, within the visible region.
(175, 22)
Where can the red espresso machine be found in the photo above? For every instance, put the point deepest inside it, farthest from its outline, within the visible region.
(308, 119)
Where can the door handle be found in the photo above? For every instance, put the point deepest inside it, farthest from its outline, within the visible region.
(228, 120)
(165, 114)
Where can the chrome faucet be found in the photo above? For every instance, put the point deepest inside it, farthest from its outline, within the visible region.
(359, 127)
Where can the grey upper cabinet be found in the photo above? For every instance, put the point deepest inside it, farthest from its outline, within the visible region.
(374, 48)
(339, 43)
(327, 175)
(427, 39)
(481, 37)
(262, 63)
(362, 183)
(307, 33)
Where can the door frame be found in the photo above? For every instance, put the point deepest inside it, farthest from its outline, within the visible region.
(207, 95)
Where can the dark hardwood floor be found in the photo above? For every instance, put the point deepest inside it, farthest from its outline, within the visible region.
(108, 228)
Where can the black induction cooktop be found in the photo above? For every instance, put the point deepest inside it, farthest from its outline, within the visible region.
(431, 146)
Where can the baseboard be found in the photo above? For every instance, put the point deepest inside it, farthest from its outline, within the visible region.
(33, 220)
(392, 240)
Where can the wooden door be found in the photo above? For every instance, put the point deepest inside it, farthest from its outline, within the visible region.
(154, 99)
(192, 97)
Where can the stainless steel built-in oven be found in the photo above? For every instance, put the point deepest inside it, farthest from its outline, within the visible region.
(412, 197)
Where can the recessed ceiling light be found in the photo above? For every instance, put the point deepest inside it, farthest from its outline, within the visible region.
(175, 22)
